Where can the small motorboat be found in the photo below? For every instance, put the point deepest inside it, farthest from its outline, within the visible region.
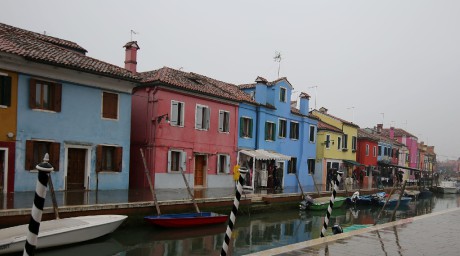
(184, 220)
(447, 187)
(60, 232)
(321, 203)
(357, 199)
(393, 201)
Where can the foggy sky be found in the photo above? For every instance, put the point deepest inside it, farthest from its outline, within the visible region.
(395, 62)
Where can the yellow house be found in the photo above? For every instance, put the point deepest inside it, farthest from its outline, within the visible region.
(8, 124)
(336, 146)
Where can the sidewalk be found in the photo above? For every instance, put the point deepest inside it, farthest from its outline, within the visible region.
(431, 234)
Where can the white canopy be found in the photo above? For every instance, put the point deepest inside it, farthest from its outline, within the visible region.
(261, 154)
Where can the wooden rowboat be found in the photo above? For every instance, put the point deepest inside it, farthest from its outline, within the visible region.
(184, 220)
(60, 232)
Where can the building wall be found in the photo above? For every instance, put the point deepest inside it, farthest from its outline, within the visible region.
(369, 159)
(79, 124)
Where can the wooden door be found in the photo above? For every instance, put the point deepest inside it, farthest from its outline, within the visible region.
(76, 169)
(200, 165)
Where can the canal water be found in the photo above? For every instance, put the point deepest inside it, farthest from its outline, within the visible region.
(252, 233)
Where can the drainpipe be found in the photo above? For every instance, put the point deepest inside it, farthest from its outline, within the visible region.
(257, 127)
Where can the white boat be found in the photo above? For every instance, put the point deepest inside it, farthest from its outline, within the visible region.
(60, 232)
(447, 187)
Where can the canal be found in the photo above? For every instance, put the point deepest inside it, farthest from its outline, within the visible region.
(252, 233)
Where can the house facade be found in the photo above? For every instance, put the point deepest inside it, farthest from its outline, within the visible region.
(367, 155)
(277, 142)
(184, 122)
(76, 108)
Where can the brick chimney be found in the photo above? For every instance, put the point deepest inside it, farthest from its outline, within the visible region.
(379, 128)
(131, 56)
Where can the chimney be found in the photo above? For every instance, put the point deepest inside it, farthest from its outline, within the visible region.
(392, 132)
(379, 128)
(304, 103)
(261, 90)
(131, 56)
(323, 110)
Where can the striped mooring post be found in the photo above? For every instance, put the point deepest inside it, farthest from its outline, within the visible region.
(231, 221)
(44, 168)
(331, 203)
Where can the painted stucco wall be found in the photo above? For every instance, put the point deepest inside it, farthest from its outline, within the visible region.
(79, 123)
(369, 159)
(8, 114)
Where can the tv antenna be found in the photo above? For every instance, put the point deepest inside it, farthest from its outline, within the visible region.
(278, 59)
(316, 87)
(133, 33)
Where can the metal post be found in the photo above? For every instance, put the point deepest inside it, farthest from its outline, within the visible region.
(44, 168)
(331, 203)
(232, 219)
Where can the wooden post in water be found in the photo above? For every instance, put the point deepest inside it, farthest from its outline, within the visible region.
(300, 185)
(152, 190)
(53, 197)
(189, 191)
(388, 199)
(399, 201)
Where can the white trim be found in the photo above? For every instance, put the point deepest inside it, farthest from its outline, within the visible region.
(298, 129)
(181, 118)
(285, 94)
(326, 145)
(279, 128)
(87, 163)
(274, 135)
(228, 124)
(208, 117)
(5, 171)
(314, 135)
(118, 106)
(227, 167)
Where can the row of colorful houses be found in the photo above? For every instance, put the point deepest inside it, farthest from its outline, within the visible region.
(95, 118)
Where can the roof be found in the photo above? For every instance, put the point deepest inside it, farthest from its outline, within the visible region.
(195, 82)
(363, 134)
(339, 119)
(327, 127)
(54, 51)
(382, 138)
(398, 132)
(261, 154)
(261, 79)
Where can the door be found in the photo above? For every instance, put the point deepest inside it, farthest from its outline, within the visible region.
(76, 163)
(3, 170)
(200, 166)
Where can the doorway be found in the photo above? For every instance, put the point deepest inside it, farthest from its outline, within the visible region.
(200, 167)
(3, 169)
(76, 168)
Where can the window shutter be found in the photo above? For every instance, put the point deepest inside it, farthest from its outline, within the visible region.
(32, 88)
(29, 155)
(207, 112)
(174, 112)
(57, 97)
(198, 117)
(218, 164)
(241, 127)
(274, 132)
(184, 161)
(227, 167)
(169, 160)
(250, 128)
(6, 91)
(54, 155)
(221, 120)
(266, 131)
(118, 159)
(98, 158)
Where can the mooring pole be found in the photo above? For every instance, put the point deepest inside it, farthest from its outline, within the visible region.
(44, 168)
(331, 203)
(232, 219)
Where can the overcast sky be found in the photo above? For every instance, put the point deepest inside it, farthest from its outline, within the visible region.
(396, 62)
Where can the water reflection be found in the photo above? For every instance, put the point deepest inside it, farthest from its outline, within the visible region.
(252, 233)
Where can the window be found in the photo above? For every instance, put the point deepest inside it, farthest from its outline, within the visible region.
(282, 94)
(328, 140)
(270, 129)
(353, 143)
(385, 153)
(345, 141)
(282, 128)
(108, 158)
(292, 165)
(367, 149)
(224, 121)
(223, 163)
(312, 136)
(202, 117)
(176, 160)
(339, 143)
(36, 150)
(5, 90)
(380, 150)
(45, 95)
(294, 131)
(109, 105)
(245, 127)
(375, 151)
(311, 166)
(177, 113)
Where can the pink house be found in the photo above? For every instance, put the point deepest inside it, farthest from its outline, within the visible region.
(407, 139)
(184, 121)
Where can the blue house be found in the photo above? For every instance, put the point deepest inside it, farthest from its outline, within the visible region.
(74, 107)
(277, 141)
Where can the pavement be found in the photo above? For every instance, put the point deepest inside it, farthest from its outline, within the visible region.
(430, 234)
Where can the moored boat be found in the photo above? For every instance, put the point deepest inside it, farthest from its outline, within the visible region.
(447, 187)
(183, 220)
(321, 203)
(393, 201)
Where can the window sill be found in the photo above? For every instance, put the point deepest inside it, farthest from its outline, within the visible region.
(205, 130)
(106, 172)
(344, 149)
(3, 106)
(44, 110)
(246, 137)
(109, 119)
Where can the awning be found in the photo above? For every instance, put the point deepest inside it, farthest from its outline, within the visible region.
(399, 166)
(352, 162)
(261, 154)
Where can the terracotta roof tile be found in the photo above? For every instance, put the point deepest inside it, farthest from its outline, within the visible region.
(337, 118)
(398, 132)
(55, 51)
(324, 126)
(197, 83)
(253, 85)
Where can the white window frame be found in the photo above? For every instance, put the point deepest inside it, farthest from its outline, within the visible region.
(354, 143)
(339, 142)
(328, 138)
(274, 135)
(199, 117)
(183, 163)
(227, 166)
(249, 126)
(285, 94)
(221, 121)
(375, 151)
(279, 128)
(309, 133)
(298, 130)
(173, 115)
(367, 150)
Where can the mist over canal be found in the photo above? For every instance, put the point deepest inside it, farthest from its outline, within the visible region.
(252, 233)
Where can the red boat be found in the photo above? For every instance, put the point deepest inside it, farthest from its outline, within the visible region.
(183, 220)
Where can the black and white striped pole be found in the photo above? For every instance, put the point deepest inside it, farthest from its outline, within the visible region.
(331, 203)
(231, 221)
(44, 168)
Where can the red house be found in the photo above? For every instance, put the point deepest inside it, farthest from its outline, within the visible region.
(184, 121)
(367, 155)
